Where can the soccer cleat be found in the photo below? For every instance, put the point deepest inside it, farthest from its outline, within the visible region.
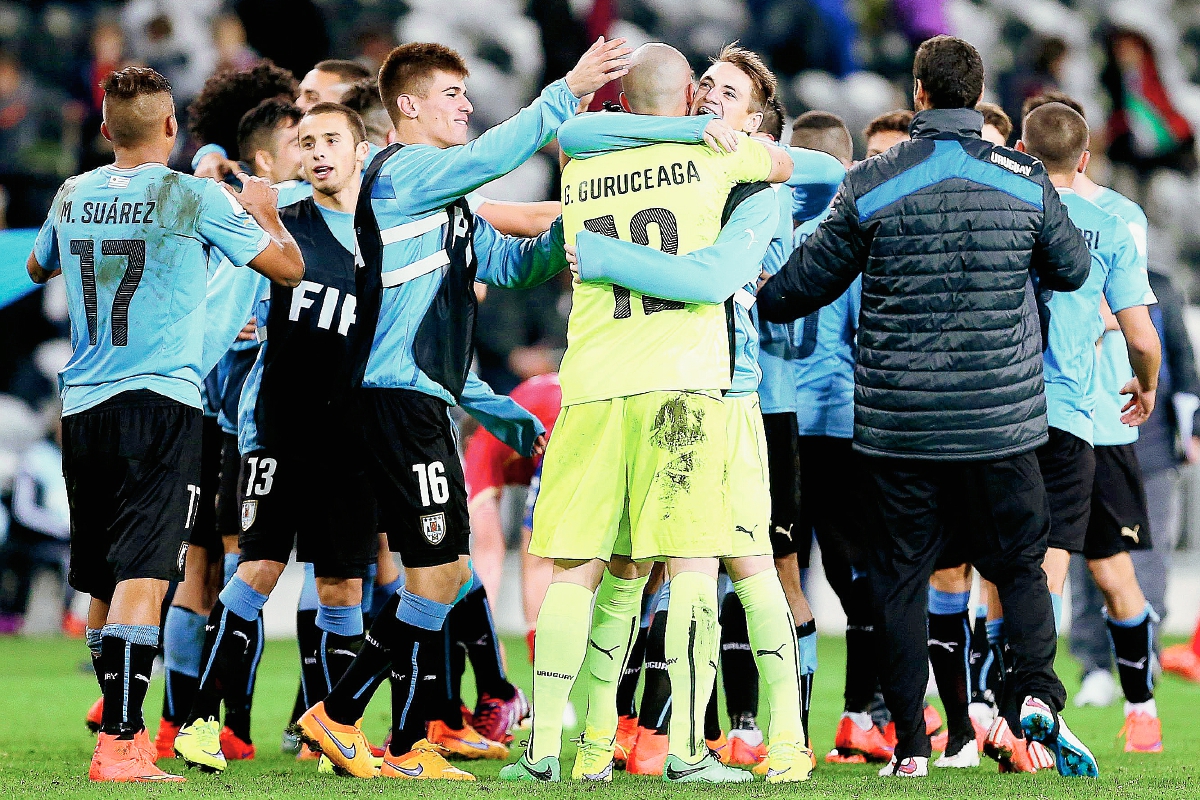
(593, 761)
(786, 762)
(746, 747)
(966, 755)
(1098, 689)
(982, 716)
(1071, 756)
(125, 761)
(719, 746)
(345, 745)
(648, 755)
(426, 761)
(938, 742)
(234, 747)
(627, 728)
(1011, 753)
(164, 739)
(464, 742)
(1181, 660)
(933, 720)
(141, 740)
(307, 753)
(95, 715)
(911, 767)
(199, 745)
(867, 745)
(495, 719)
(1039, 756)
(290, 743)
(546, 770)
(1142, 732)
(708, 769)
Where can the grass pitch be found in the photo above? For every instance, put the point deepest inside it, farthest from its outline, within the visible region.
(46, 686)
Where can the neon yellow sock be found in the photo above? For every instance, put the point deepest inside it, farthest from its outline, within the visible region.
(559, 648)
(614, 627)
(691, 649)
(773, 638)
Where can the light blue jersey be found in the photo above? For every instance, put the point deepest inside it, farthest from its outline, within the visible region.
(1119, 276)
(777, 389)
(823, 364)
(1113, 370)
(409, 200)
(134, 248)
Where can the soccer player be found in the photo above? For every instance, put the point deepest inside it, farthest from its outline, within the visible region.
(997, 126)
(131, 394)
(422, 250)
(267, 143)
(886, 131)
(1116, 522)
(610, 420)
(329, 82)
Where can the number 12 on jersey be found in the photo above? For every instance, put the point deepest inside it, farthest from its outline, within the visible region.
(668, 235)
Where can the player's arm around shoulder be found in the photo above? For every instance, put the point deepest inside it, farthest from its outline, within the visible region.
(260, 241)
(596, 133)
(517, 262)
(1060, 255)
(501, 416)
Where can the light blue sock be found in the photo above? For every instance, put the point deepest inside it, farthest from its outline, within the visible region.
(183, 641)
(421, 612)
(948, 602)
(308, 591)
(134, 634)
(995, 630)
(93, 637)
(383, 592)
(368, 588)
(229, 567)
(1133, 622)
(242, 599)
(663, 598)
(1056, 602)
(342, 620)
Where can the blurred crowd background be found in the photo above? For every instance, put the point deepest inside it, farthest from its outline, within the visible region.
(1134, 65)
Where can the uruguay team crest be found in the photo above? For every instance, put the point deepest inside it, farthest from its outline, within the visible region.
(433, 526)
(249, 513)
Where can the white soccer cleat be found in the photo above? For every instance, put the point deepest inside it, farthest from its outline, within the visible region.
(911, 767)
(967, 756)
(1099, 689)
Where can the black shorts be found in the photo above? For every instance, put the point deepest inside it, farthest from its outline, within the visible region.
(132, 468)
(1120, 521)
(1068, 466)
(228, 507)
(314, 495)
(783, 467)
(829, 508)
(204, 532)
(417, 475)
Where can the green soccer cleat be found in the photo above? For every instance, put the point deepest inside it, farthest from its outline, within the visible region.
(199, 745)
(593, 762)
(545, 771)
(708, 770)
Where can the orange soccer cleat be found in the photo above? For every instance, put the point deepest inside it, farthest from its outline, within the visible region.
(1181, 660)
(720, 747)
(234, 747)
(95, 715)
(164, 739)
(345, 745)
(745, 754)
(1013, 754)
(425, 761)
(648, 756)
(1142, 732)
(627, 728)
(126, 761)
(856, 745)
(465, 742)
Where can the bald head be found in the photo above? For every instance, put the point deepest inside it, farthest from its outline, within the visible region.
(658, 81)
(1056, 135)
(138, 108)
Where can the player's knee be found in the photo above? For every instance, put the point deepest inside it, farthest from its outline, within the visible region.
(261, 576)
(339, 591)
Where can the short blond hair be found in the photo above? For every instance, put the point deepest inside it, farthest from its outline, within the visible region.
(763, 84)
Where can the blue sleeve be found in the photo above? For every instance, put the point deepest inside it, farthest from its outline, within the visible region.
(515, 261)
(815, 179)
(230, 301)
(502, 416)
(1127, 283)
(205, 150)
(588, 135)
(45, 246)
(450, 173)
(225, 225)
(708, 275)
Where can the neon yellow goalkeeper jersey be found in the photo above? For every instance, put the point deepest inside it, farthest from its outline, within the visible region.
(669, 197)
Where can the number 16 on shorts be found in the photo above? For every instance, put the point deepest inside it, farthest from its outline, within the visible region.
(435, 489)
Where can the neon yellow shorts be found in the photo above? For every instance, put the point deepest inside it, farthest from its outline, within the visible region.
(747, 480)
(638, 476)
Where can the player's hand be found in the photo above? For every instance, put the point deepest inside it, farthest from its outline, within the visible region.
(215, 166)
(720, 136)
(249, 331)
(603, 62)
(1140, 405)
(257, 196)
(539, 445)
(573, 260)
(763, 277)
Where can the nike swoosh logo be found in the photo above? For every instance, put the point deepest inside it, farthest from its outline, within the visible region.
(412, 773)
(771, 773)
(675, 774)
(476, 745)
(347, 752)
(541, 774)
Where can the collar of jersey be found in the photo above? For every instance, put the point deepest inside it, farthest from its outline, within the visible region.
(115, 168)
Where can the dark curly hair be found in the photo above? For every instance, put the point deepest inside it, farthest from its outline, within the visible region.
(214, 115)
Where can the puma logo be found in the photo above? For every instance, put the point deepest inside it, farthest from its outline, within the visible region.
(608, 652)
(746, 531)
(1139, 664)
(753, 240)
(1132, 533)
(949, 647)
(777, 652)
(782, 531)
